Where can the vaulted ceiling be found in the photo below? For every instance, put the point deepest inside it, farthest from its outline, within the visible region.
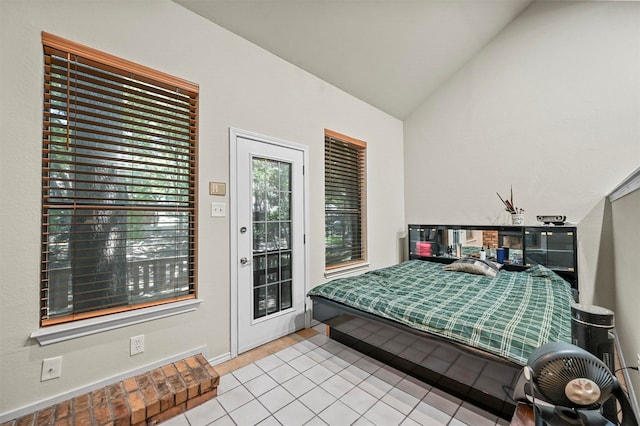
(391, 54)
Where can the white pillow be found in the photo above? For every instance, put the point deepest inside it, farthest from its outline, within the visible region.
(475, 266)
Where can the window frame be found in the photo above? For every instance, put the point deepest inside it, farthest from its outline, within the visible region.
(62, 327)
(361, 169)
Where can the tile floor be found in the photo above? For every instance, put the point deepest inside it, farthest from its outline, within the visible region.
(313, 380)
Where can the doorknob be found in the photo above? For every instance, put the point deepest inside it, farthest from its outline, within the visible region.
(244, 260)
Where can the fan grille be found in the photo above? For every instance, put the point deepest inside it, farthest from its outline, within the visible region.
(554, 375)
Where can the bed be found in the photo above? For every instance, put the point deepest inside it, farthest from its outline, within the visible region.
(466, 333)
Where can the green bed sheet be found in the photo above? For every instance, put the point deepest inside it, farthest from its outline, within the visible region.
(508, 316)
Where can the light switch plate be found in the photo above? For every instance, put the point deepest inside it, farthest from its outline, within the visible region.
(218, 209)
(217, 188)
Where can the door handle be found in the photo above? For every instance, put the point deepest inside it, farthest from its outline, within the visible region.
(244, 260)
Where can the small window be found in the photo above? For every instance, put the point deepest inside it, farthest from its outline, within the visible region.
(345, 200)
(118, 185)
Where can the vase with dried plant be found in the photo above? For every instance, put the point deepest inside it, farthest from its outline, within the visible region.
(517, 213)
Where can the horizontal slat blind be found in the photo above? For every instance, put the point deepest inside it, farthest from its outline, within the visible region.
(345, 191)
(119, 165)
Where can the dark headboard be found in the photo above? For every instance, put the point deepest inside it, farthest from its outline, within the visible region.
(555, 247)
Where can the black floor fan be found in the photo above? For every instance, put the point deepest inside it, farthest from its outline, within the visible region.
(568, 385)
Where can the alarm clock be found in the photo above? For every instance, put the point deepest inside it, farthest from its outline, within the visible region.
(552, 219)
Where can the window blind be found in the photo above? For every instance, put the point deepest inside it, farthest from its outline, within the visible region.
(345, 200)
(119, 184)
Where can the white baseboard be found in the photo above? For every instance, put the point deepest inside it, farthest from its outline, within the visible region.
(220, 359)
(31, 408)
(627, 379)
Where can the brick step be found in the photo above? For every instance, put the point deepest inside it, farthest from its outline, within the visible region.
(148, 398)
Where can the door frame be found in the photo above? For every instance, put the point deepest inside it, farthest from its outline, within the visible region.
(234, 134)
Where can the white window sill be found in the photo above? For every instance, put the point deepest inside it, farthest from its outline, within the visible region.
(60, 333)
(333, 273)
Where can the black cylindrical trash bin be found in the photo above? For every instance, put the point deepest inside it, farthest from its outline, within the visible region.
(592, 330)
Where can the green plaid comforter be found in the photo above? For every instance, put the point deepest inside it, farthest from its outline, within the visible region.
(509, 315)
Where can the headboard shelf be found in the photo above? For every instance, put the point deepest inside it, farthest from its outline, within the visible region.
(552, 246)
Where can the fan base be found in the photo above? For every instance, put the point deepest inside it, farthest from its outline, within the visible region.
(562, 416)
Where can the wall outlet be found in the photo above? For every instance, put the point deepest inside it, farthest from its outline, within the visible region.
(136, 345)
(51, 368)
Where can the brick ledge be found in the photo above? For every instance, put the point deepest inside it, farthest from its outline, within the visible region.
(145, 399)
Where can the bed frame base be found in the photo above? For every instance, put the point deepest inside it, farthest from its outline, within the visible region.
(471, 375)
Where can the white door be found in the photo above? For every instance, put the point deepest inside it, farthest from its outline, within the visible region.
(270, 241)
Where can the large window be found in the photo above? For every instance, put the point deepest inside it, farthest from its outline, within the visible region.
(118, 185)
(345, 200)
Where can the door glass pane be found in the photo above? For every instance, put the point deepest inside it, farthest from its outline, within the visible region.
(259, 270)
(259, 237)
(272, 170)
(259, 206)
(285, 176)
(285, 300)
(273, 274)
(285, 235)
(273, 231)
(271, 192)
(285, 266)
(273, 205)
(272, 298)
(285, 201)
(259, 302)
